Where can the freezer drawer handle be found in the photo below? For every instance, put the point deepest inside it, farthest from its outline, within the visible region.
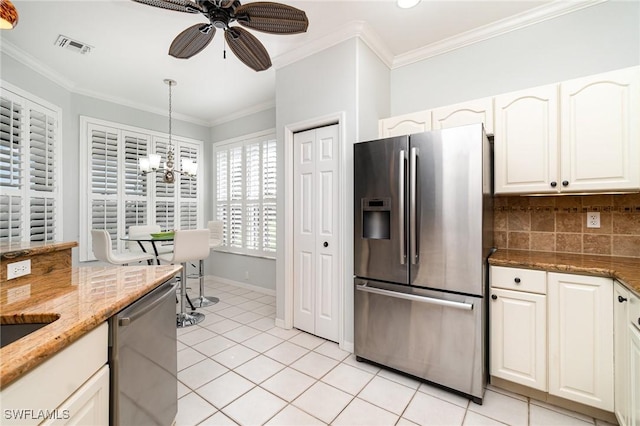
(124, 321)
(413, 164)
(414, 298)
(401, 205)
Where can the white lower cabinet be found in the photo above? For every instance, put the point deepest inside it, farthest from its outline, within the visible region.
(518, 336)
(554, 332)
(71, 387)
(581, 339)
(621, 353)
(634, 372)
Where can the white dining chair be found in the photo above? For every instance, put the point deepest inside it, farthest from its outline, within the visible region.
(189, 245)
(101, 245)
(146, 231)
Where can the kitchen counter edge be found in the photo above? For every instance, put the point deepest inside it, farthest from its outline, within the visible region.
(624, 269)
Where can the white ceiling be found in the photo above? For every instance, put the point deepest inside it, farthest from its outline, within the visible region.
(128, 60)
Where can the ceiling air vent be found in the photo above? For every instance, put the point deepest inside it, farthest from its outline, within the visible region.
(73, 45)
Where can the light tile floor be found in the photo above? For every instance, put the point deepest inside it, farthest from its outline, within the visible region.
(236, 367)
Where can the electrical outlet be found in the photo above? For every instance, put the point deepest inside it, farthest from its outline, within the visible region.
(593, 219)
(18, 269)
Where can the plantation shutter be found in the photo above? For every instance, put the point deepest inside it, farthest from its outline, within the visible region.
(165, 213)
(11, 143)
(269, 196)
(135, 147)
(253, 190)
(11, 164)
(10, 218)
(104, 215)
(29, 194)
(104, 162)
(222, 193)
(245, 196)
(135, 213)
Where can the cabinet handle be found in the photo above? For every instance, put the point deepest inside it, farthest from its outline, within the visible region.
(638, 320)
(325, 244)
(622, 299)
(553, 184)
(494, 297)
(565, 183)
(517, 280)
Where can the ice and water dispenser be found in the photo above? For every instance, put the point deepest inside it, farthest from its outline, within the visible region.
(376, 218)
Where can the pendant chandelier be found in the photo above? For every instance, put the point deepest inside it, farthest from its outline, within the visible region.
(152, 162)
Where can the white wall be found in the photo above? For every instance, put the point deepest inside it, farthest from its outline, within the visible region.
(592, 40)
(345, 79)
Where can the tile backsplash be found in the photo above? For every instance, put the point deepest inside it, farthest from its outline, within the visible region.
(559, 224)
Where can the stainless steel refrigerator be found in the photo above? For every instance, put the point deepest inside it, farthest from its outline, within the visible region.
(423, 232)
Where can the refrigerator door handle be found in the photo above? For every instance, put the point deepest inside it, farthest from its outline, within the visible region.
(412, 206)
(415, 298)
(401, 206)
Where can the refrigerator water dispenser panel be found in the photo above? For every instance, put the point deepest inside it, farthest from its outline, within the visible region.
(376, 218)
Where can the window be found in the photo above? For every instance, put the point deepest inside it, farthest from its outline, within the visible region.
(245, 197)
(30, 202)
(118, 196)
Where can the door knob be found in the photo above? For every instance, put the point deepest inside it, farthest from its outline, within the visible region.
(326, 244)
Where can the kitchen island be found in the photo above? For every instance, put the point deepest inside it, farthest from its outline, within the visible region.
(73, 300)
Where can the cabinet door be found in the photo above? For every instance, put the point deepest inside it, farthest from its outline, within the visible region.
(89, 405)
(416, 122)
(471, 112)
(600, 135)
(621, 353)
(634, 374)
(518, 336)
(526, 141)
(581, 339)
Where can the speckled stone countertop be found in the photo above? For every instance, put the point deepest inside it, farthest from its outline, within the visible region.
(624, 269)
(27, 248)
(80, 299)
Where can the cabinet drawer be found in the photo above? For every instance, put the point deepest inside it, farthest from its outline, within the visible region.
(634, 311)
(519, 279)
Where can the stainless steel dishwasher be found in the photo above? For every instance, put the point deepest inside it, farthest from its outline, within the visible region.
(144, 360)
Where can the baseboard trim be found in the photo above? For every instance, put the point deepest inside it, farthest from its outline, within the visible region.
(280, 323)
(347, 346)
(252, 287)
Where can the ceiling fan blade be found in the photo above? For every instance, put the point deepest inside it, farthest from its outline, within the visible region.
(273, 18)
(187, 6)
(248, 48)
(191, 41)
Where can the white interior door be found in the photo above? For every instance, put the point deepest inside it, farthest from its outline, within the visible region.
(316, 238)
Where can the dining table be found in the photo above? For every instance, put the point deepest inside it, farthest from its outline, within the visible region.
(153, 239)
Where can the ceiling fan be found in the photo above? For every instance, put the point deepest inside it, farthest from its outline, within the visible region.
(268, 17)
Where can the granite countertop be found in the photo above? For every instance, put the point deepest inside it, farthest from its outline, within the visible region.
(28, 248)
(624, 269)
(80, 299)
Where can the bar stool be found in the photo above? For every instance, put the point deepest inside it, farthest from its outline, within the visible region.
(215, 239)
(101, 246)
(188, 246)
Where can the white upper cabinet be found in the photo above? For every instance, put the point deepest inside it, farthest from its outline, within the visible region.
(472, 112)
(600, 132)
(526, 141)
(416, 122)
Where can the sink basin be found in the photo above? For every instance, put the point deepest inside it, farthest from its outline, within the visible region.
(13, 328)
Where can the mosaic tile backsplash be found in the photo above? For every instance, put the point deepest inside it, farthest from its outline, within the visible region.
(559, 224)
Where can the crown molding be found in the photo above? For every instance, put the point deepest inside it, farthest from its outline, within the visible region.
(243, 113)
(494, 29)
(350, 30)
